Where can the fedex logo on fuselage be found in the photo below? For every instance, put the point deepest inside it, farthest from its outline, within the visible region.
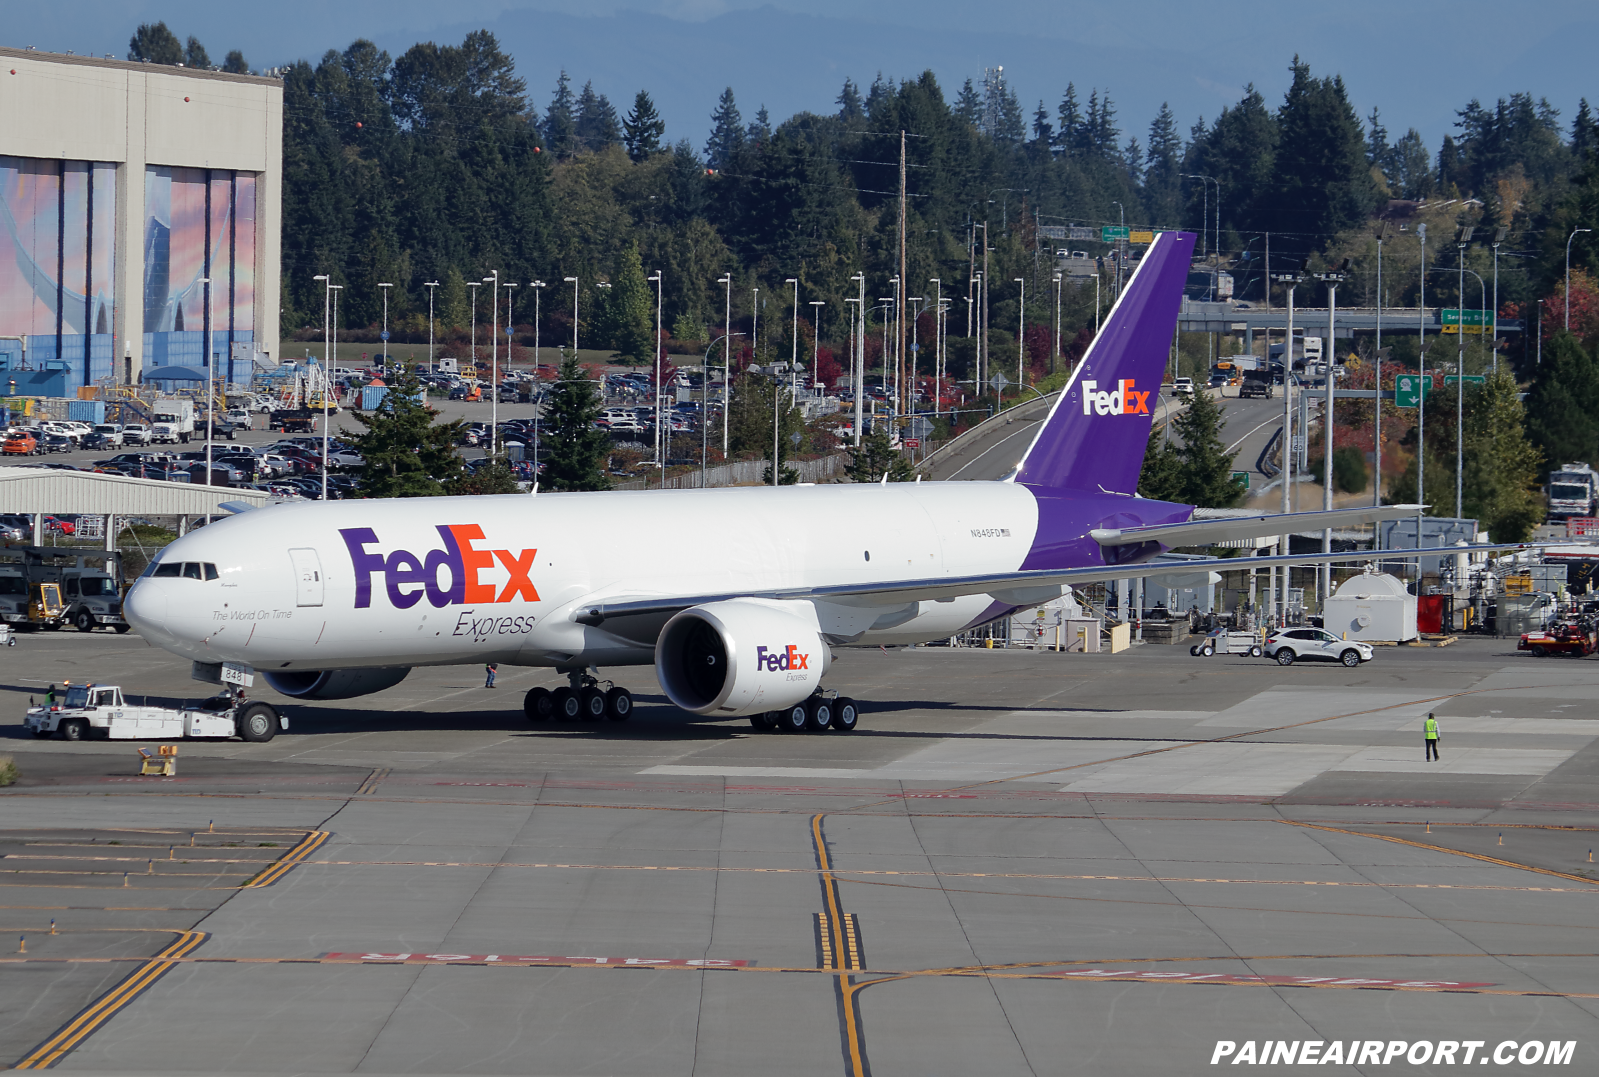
(1120, 401)
(448, 576)
(787, 658)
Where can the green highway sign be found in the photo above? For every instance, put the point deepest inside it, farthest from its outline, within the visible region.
(1111, 233)
(1471, 379)
(1450, 316)
(1241, 478)
(1409, 389)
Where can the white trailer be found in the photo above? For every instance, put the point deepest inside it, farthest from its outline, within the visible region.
(100, 710)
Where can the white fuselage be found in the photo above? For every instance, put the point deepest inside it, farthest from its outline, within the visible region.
(295, 590)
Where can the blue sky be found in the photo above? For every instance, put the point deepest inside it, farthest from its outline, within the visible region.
(1418, 62)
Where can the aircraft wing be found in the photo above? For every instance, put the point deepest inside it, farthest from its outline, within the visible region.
(1203, 532)
(1020, 588)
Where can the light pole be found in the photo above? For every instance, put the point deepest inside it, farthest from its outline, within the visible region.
(385, 334)
(660, 436)
(1499, 237)
(899, 337)
(538, 287)
(1422, 385)
(977, 353)
(510, 335)
(327, 308)
(793, 359)
(727, 355)
(1324, 573)
(1376, 434)
(755, 324)
(474, 285)
(573, 282)
(210, 386)
(938, 338)
(858, 360)
(494, 362)
(337, 288)
(1280, 599)
(1057, 352)
(1119, 242)
(1021, 333)
(430, 285)
(1464, 240)
(816, 326)
(1574, 233)
(705, 400)
(916, 309)
(1217, 225)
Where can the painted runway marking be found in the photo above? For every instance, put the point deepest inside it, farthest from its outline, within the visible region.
(102, 1009)
(291, 859)
(523, 959)
(1237, 978)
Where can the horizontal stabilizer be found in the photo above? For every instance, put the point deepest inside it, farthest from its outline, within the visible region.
(1203, 532)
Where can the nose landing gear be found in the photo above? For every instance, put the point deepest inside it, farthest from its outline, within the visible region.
(585, 697)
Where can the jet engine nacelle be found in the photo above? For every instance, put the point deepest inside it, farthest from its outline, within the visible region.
(741, 656)
(334, 683)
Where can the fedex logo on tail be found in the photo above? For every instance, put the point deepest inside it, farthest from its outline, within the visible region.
(787, 658)
(449, 576)
(1120, 401)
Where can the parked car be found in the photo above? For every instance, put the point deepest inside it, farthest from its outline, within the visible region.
(111, 432)
(1288, 645)
(55, 443)
(20, 443)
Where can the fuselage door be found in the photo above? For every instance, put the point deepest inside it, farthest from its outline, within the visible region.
(307, 576)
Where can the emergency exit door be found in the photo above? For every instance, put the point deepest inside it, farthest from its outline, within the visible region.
(308, 577)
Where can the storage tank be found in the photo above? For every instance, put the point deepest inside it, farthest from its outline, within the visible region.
(1374, 607)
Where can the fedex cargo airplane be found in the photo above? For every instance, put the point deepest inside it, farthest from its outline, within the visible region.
(736, 596)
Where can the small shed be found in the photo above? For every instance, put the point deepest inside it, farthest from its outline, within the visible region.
(1374, 607)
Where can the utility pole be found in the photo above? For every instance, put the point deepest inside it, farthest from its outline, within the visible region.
(793, 358)
(859, 358)
(1460, 371)
(1021, 334)
(1421, 400)
(1057, 352)
(938, 339)
(727, 359)
(430, 286)
(1499, 237)
(1329, 354)
(1280, 600)
(1376, 438)
(899, 289)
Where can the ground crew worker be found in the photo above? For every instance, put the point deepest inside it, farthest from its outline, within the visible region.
(1431, 730)
(490, 669)
(50, 697)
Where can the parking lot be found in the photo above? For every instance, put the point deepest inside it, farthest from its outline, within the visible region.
(1020, 863)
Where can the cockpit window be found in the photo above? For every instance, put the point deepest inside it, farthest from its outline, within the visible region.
(168, 571)
(191, 570)
(210, 571)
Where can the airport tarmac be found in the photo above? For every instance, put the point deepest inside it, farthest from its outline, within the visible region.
(1019, 864)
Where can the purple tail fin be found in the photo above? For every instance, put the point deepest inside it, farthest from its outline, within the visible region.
(1095, 435)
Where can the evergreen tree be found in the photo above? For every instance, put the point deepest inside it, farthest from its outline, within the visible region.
(727, 132)
(1160, 478)
(1451, 174)
(155, 44)
(1010, 128)
(234, 63)
(407, 453)
(1378, 152)
(577, 450)
(1070, 136)
(194, 55)
(1206, 464)
(1563, 404)
(560, 120)
(1501, 480)
(968, 105)
(1133, 161)
(1322, 180)
(643, 128)
(454, 306)
(849, 102)
(876, 456)
(1043, 130)
(760, 132)
(630, 310)
(596, 126)
(1163, 168)
(494, 477)
(1412, 175)
(1105, 134)
(1584, 133)
(756, 401)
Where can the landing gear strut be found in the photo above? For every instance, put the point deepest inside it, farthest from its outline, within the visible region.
(823, 709)
(584, 697)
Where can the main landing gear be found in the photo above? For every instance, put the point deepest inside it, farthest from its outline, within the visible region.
(585, 698)
(821, 711)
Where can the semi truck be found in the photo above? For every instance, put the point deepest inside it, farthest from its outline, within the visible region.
(1572, 490)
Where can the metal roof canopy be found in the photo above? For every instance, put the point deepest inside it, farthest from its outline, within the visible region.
(35, 490)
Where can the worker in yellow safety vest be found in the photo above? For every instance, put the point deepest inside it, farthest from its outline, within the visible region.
(1431, 728)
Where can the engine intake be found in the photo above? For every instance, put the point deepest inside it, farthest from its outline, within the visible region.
(741, 656)
(334, 683)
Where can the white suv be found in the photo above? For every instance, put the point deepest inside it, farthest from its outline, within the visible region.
(1288, 644)
(135, 434)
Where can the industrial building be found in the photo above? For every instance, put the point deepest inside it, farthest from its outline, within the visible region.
(139, 220)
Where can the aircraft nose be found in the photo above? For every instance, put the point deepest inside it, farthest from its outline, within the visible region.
(146, 609)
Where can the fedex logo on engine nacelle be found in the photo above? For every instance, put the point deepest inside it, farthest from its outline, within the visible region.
(449, 576)
(1120, 401)
(787, 658)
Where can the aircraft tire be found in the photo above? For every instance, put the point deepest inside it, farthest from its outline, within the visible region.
(762, 721)
(818, 714)
(592, 704)
(845, 714)
(258, 723)
(538, 704)
(567, 705)
(618, 704)
(793, 719)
